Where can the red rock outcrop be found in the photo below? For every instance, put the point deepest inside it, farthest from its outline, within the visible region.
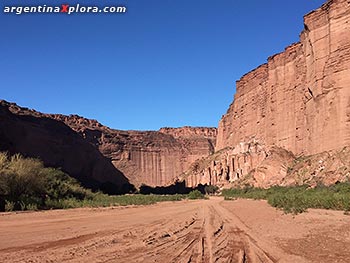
(248, 163)
(190, 132)
(300, 99)
(154, 158)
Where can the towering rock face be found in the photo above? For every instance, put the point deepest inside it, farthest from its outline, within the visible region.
(300, 99)
(297, 104)
(154, 158)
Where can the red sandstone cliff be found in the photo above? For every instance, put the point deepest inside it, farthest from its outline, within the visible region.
(151, 157)
(154, 158)
(300, 99)
(298, 103)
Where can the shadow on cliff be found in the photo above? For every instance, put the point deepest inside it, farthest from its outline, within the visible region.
(58, 146)
(176, 188)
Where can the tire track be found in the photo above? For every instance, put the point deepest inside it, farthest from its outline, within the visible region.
(194, 232)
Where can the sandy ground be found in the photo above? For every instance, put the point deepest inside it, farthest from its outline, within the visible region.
(188, 231)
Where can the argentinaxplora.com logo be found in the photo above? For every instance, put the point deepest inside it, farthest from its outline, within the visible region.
(64, 9)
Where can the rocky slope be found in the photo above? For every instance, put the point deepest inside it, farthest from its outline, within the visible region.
(154, 158)
(34, 135)
(248, 163)
(298, 103)
(326, 168)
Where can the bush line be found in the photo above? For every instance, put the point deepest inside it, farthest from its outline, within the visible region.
(25, 184)
(297, 199)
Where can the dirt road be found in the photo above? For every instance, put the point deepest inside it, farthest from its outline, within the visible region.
(188, 231)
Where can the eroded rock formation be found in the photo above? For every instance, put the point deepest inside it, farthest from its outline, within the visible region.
(245, 164)
(154, 158)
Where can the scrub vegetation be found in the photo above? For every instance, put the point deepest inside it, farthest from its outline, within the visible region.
(297, 199)
(26, 184)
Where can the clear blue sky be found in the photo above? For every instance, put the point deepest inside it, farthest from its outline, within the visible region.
(163, 63)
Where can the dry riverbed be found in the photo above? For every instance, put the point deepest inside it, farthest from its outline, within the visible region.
(187, 231)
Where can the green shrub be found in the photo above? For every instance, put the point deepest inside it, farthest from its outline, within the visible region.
(25, 184)
(195, 194)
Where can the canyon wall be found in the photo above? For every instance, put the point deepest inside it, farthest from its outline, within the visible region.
(295, 105)
(57, 145)
(300, 99)
(154, 158)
